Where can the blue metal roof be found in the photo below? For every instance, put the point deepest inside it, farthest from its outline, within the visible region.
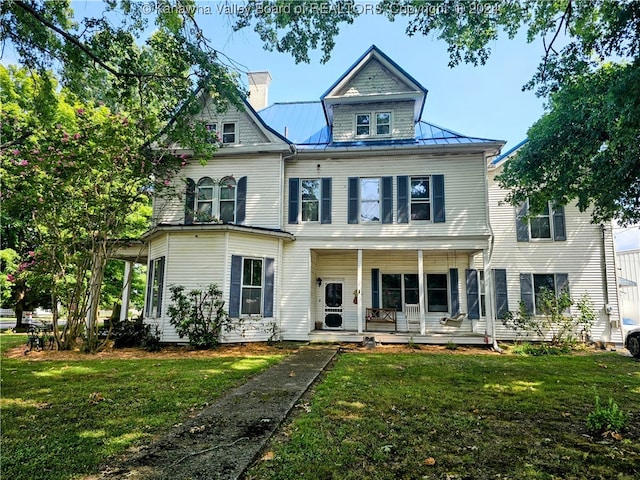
(498, 159)
(306, 126)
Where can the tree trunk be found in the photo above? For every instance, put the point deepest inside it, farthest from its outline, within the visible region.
(98, 265)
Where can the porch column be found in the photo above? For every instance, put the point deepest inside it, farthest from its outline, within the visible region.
(423, 324)
(126, 290)
(489, 296)
(359, 292)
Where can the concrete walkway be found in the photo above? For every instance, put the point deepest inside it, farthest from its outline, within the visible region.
(226, 437)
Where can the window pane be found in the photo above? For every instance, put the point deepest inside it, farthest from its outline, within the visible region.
(362, 124)
(370, 203)
(391, 280)
(310, 189)
(204, 208)
(420, 188)
(205, 193)
(420, 211)
(333, 294)
(227, 192)
(362, 130)
(541, 282)
(540, 227)
(251, 300)
(437, 301)
(227, 211)
(437, 280)
(411, 294)
(392, 291)
(362, 119)
(310, 211)
(229, 128)
(383, 118)
(252, 274)
(370, 188)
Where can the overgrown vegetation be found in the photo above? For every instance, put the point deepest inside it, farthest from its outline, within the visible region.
(61, 419)
(607, 419)
(198, 315)
(555, 322)
(452, 416)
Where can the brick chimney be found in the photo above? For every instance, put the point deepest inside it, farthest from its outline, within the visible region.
(259, 89)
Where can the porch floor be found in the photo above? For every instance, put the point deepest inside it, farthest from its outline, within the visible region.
(430, 338)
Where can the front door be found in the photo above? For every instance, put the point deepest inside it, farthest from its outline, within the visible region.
(333, 305)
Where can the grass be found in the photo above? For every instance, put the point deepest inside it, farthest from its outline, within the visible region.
(448, 416)
(62, 419)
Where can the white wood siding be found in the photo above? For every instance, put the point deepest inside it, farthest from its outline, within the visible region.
(465, 207)
(402, 125)
(247, 132)
(581, 256)
(629, 268)
(263, 188)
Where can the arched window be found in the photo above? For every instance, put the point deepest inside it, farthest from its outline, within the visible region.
(204, 199)
(227, 199)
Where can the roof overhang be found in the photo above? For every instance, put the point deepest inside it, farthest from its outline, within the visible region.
(217, 228)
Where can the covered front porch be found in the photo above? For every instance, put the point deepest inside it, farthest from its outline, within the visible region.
(434, 296)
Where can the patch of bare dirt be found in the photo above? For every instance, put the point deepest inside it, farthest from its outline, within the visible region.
(417, 349)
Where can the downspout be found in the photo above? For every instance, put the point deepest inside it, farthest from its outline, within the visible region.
(606, 335)
(489, 257)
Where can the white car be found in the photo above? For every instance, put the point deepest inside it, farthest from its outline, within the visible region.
(631, 333)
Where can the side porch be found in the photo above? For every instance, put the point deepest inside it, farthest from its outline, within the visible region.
(400, 296)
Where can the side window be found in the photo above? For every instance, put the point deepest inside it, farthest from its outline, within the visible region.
(398, 289)
(363, 124)
(251, 301)
(155, 283)
(212, 131)
(548, 225)
(229, 133)
(204, 200)
(540, 225)
(383, 123)
(310, 200)
(369, 200)
(420, 199)
(437, 293)
(532, 287)
(227, 200)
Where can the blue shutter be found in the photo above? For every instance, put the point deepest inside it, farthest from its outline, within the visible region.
(403, 199)
(147, 304)
(473, 294)
(354, 199)
(559, 233)
(438, 198)
(241, 200)
(526, 291)
(236, 287)
(160, 261)
(562, 282)
(189, 201)
(387, 199)
(375, 288)
(268, 287)
(455, 293)
(294, 199)
(500, 288)
(522, 223)
(326, 200)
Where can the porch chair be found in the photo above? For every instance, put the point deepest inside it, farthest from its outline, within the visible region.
(454, 321)
(412, 316)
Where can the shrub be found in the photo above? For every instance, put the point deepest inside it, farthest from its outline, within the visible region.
(135, 333)
(198, 315)
(607, 418)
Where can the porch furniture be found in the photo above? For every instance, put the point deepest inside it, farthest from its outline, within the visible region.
(383, 316)
(412, 316)
(454, 321)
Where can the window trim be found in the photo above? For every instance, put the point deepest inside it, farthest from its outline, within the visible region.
(318, 200)
(261, 287)
(361, 200)
(372, 125)
(549, 217)
(235, 133)
(216, 200)
(358, 124)
(447, 288)
(429, 199)
(403, 288)
(155, 286)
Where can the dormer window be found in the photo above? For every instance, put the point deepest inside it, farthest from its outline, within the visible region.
(363, 122)
(227, 136)
(382, 125)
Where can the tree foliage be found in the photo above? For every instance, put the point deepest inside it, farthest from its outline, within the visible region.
(589, 68)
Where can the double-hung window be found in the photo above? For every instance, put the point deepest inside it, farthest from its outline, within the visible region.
(420, 198)
(548, 225)
(252, 278)
(204, 199)
(155, 281)
(212, 132)
(540, 225)
(383, 123)
(533, 286)
(382, 126)
(228, 133)
(215, 200)
(398, 289)
(227, 200)
(437, 292)
(369, 200)
(310, 200)
(363, 124)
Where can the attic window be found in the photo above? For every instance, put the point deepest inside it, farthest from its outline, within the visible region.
(383, 123)
(212, 130)
(363, 121)
(228, 133)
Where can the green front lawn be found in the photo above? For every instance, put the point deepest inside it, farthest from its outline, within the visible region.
(449, 416)
(62, 419)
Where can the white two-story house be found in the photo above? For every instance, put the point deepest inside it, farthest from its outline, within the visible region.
(352, 217)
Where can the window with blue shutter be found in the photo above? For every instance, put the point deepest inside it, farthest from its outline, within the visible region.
(387, 199)
(236, 286)
(526, 292)
(375, 288)
(241, 200)
(294, 195)
(559, 231)
(155, 285)
(268, 287)
(500, 290)
(473, 294)
(326, 201)
(522, 224)
(403, 199)
(532, 286)
(353, 199)
(438, 198)
(455, 293)
(189, 201)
